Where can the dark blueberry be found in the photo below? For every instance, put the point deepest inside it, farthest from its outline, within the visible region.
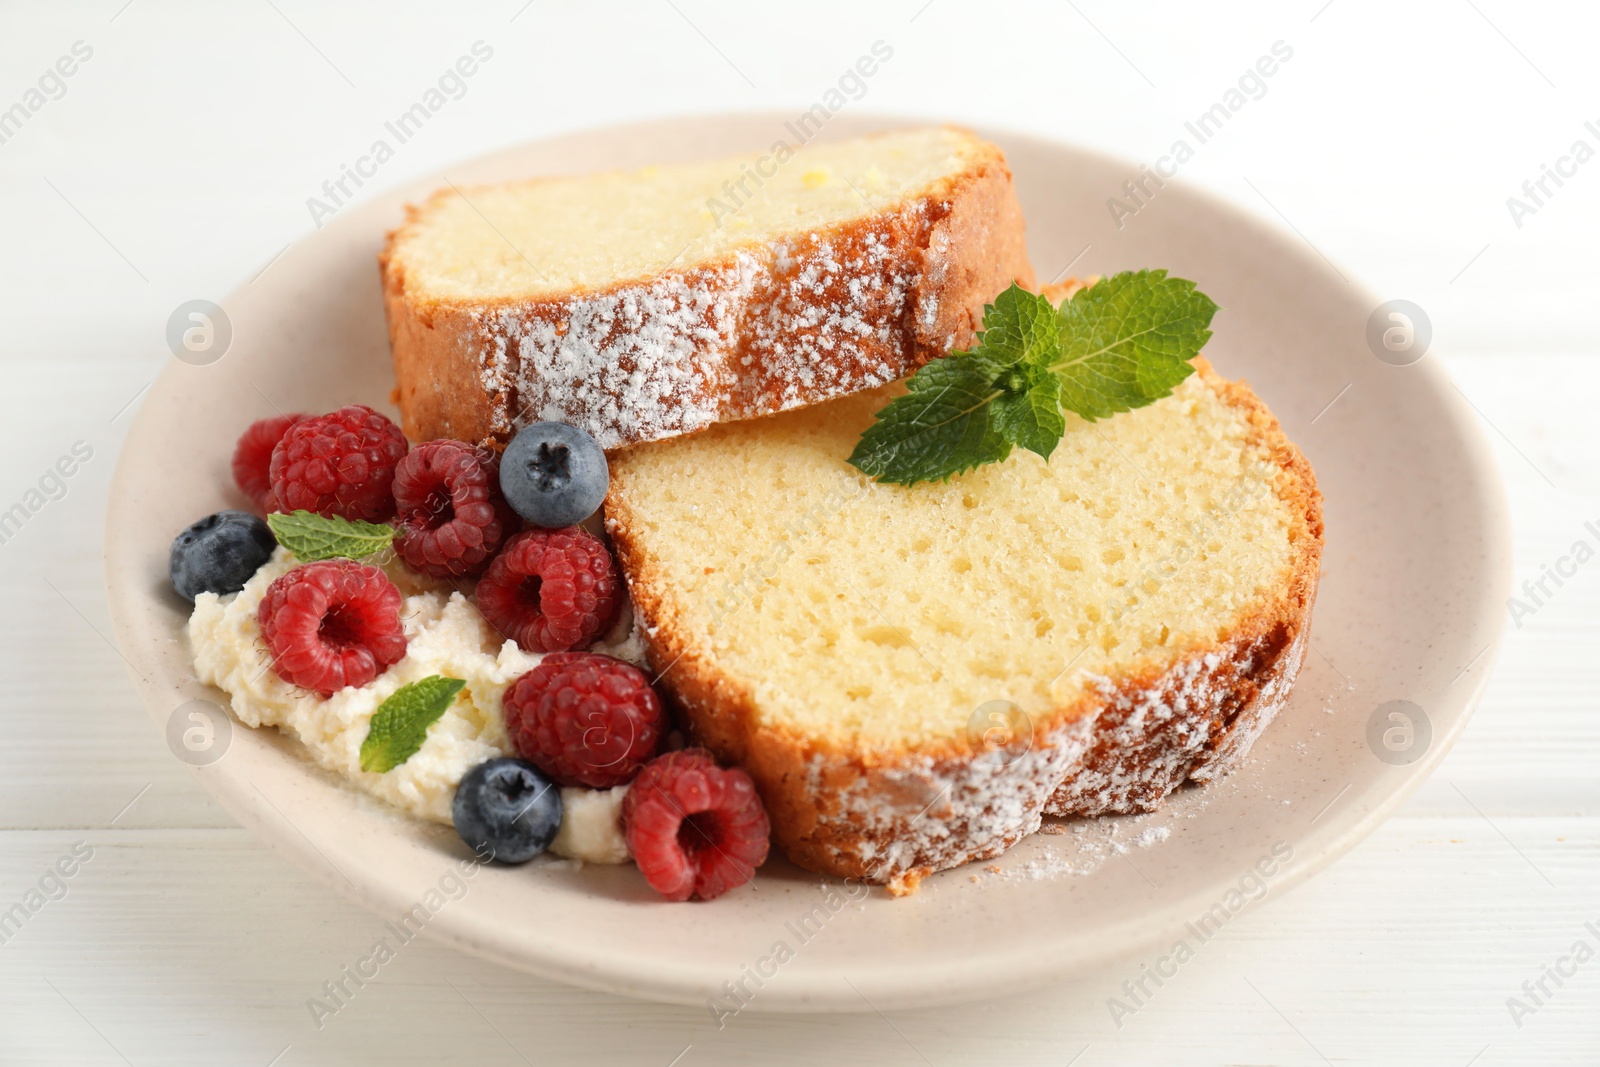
(553, 475)
(507, 809)
(219, 553)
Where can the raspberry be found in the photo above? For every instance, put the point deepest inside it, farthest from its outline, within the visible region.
(452, 517)
(331, 624)
(341, 464)
(584, 719)
(550, 590)
(694, 828)
(252, 457)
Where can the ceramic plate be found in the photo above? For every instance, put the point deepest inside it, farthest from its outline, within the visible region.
(1406, 625)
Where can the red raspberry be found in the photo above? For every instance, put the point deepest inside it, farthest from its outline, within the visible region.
(452, 517)
(341, 464)
(550, 590)
(252, 457)
(331, 624)
(585, 719)
(694, 828)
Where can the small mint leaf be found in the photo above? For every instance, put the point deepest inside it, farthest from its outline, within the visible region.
(941, 427)
(400, 724)
(1019, 327)
(1117, 345)
(311, 537)
(1028, 414)
(1128, 339)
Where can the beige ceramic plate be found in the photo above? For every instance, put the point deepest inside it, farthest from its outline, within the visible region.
(1414, 573)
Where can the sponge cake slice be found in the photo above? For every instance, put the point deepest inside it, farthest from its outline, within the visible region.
(1128, 614)
(643, 304)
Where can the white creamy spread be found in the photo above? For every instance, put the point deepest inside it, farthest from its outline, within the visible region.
(445, 635)
(591, 826)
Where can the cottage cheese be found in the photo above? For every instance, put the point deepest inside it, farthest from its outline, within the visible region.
(591, 822)
(446, 635)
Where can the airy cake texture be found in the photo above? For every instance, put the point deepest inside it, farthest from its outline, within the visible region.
(648, 303)
(915, 675)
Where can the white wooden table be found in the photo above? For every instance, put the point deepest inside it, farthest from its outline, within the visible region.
(176, 160)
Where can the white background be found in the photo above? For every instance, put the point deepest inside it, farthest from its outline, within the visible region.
(178, 164)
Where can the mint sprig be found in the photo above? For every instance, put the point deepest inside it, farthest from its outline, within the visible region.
(312, 537)
(1128, 340)
(400, 724)
(941, 424)
(1117, 345)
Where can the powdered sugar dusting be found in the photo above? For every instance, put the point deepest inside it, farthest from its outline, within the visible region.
(1197, 721)
(919, 815)
(815, 316)
(1078, 849)
(628, 364)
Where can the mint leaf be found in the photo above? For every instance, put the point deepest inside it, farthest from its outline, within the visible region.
(1028, 412)
(1127, 341)
(1119, 344)
(311, 537)
(400, 724)
(939, 428)
(1019, 327)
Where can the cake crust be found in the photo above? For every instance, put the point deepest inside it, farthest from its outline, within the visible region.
(816, 314)
(891, 816)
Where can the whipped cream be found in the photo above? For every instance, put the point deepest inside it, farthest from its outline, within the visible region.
(445, 635)
(591, 826)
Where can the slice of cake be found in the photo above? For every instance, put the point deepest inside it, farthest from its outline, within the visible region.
(914, 676)
(643, 304)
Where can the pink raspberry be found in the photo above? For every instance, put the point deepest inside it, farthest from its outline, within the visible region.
(585, 719)
(341, 464)
(252, 458)
(551, 590)
(695, 829)
(332, 624)
(452, 518)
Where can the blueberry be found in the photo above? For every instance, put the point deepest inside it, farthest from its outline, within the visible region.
(553, 475)
(507, 809)
(219, 553)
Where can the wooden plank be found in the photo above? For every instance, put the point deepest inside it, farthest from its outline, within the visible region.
(1413, 941)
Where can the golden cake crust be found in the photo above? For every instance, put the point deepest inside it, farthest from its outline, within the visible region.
(764, 328)
(892, 816)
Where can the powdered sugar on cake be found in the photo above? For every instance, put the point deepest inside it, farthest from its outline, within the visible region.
(923, 814)
(1196, 721)
(818, 315)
